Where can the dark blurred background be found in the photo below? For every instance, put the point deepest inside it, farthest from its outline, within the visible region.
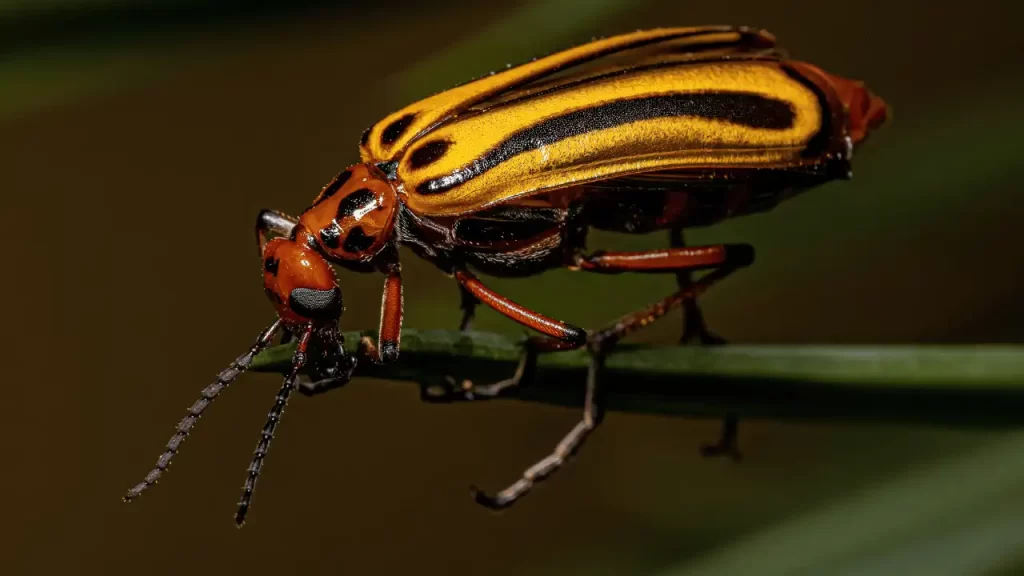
(139, 141)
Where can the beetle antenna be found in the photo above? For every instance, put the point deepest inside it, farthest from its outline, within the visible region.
(226, 377)
(273, 419)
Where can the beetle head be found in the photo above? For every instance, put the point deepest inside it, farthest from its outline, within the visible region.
(300, 284)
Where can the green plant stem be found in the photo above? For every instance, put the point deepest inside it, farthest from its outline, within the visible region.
(963, 384)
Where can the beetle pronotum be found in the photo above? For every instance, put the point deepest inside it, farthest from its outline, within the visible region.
(653, 130)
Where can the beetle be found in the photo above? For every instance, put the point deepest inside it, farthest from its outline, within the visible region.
(653, 130)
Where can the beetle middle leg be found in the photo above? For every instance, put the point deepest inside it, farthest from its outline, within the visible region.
(557, 335)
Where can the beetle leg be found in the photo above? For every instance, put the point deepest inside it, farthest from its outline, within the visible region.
(451, 390)
(558, 335)
(565, 335)
(682, 261)
(599, 344)
(390, 333)
(272, 221)
(467, 303)
(694, 327)
(593, 412)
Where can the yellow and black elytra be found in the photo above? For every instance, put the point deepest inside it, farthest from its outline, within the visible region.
(653, 130)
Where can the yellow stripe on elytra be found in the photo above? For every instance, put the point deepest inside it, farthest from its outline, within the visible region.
(439, 106)
(628, 148)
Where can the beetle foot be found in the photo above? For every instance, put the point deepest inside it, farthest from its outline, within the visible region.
(695, 330)
(446, 391)
(451, 390)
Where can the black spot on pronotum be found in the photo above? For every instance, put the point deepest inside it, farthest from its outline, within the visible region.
(742, 108)
(428, 153)
(316, 304)
(388, 351)
(334, 186)
(395, 129)
(330, 235)
(358, 241)
(365, 138)
(271, 265)
(359, 199)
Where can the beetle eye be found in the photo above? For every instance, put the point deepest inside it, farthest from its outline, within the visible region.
(316, 304)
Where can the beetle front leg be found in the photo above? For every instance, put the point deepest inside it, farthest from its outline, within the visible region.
(387, 347)
(390, 335)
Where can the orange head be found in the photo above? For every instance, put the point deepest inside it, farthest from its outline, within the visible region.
(300, 284)
(352, 219)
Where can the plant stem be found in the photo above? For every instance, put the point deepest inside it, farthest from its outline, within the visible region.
(979, 385)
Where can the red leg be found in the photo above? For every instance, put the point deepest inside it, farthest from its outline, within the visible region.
(562, 336)
(390, 333)
(668, 259)
(558, 335)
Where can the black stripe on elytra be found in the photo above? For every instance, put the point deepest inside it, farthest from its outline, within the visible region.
(334, 186)
(575, 84)
(820, 142)
(354, 201)
(600, 54)
(395, 129)
(590, 57)
(358, 241)
(742, 108)
(428, 153)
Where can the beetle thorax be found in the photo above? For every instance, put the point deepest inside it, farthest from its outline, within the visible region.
(353, 217)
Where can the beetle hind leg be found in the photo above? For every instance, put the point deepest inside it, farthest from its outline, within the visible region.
(695, 330)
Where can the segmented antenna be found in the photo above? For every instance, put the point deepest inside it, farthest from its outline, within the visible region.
(273, 419)
(226, 377)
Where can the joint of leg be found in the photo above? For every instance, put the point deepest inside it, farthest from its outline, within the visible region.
(739, 255)
(575, 335)
(388, 351)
